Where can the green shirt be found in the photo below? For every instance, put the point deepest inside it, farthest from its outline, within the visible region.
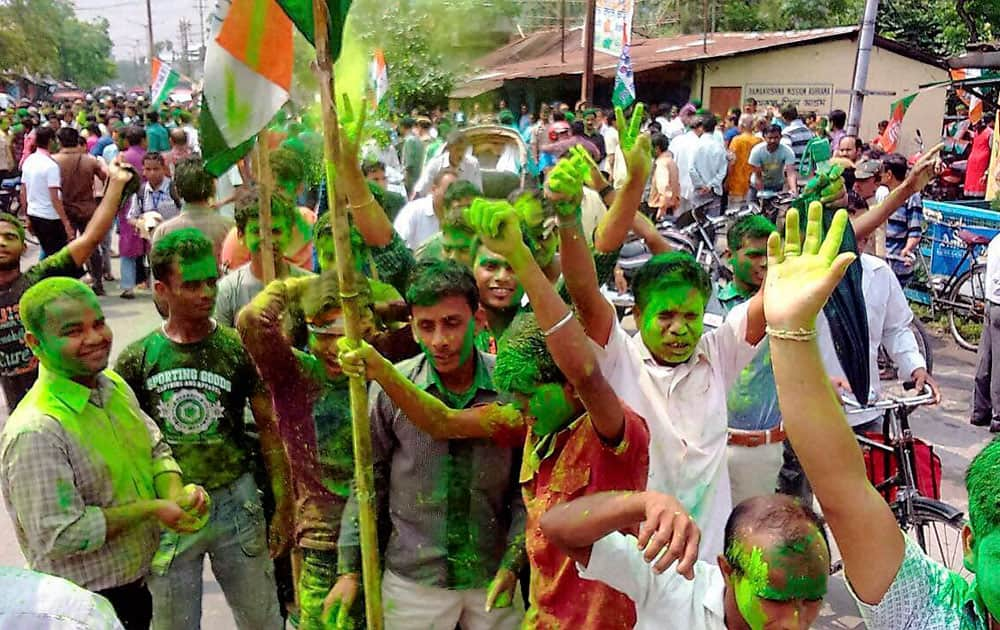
(197, 394)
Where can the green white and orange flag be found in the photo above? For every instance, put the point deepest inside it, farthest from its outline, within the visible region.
(301, 14)
(890, 138)
(163, 81)
(248, 74)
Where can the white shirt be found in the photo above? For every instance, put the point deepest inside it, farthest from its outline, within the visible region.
(44, 602)
(889, 318)
(685, 409)
(192, 136)
(468, 171)
(592, 209)
(683, 148)
(611, 142)
(709, 164)
(673, 128)
(665, 600)
(39, 173)
(993, 271)
(416, 221)
(225, 187)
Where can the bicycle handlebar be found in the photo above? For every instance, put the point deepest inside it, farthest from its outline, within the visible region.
(892, 402)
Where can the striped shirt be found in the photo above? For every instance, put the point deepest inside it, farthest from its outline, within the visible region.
(905, 223)
(796, 136)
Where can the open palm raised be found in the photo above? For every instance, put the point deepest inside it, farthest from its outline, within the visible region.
(801, 275)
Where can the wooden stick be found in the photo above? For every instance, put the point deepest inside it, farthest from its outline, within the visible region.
(364, 478)
(262, 171)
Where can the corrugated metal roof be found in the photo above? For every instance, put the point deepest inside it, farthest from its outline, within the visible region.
(538, 55)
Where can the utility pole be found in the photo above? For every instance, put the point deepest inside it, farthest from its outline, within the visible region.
(562, 30)
(185, 29)
(587, 85)
(149, 35)
(202, 27)
(865, 39)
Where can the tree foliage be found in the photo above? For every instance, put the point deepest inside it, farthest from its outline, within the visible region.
(937, 26)
(45, 37)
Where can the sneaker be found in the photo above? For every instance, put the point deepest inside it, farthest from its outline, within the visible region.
(128, 294)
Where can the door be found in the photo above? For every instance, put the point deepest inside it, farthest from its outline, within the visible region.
(722, 99)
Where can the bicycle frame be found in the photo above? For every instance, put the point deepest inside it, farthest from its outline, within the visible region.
(937, 295)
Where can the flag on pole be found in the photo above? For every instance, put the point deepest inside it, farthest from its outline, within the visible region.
(379, 77)
(248, 74)
(301, 14)
(974, 103)
(890, 138)
(164, 80)
(623, 94)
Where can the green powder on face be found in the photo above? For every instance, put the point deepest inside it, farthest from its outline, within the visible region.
(673, 315)
(551, 409)
(468, 342)
(748, 585)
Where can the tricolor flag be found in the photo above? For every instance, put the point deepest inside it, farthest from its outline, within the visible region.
(164, 80)
(248, 74)
(301, 14)
(974, 103)
(890, 138)
(623, 94)
(379, 78)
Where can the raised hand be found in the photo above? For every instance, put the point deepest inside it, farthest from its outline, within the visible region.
(925, 169)
(352, 127)
(564, 185)
(802, 275)
(629, 133)
(497, 224)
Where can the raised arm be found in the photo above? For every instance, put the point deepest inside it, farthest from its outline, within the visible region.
(499, 228)
(916, 180)
(259, 325)
(564, 188)
(503, 423)
(81, 247)
(369, 217)
(615, 224)
(797, 286)
(659, 522)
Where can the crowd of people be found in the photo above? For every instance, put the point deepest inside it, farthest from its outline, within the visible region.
(538, 462)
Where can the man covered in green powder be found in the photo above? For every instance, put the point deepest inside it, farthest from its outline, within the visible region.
(311, 402)
(87, 476)
(897, 586)
(453, 508)
(238, 287)
(18, 364)
(194, 378)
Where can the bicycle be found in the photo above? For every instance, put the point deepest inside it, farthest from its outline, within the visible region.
(935, 525)
(962, 294)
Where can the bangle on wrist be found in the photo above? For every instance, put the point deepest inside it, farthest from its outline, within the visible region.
(802, 334)
(559, 324)
(363, 204)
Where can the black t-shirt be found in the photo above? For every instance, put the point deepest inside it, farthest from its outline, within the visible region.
(197, 393)
(18, 366)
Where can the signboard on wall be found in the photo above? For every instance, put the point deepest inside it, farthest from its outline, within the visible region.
(807, 97)
(612, 25)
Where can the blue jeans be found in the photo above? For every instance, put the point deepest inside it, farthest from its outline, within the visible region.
(130, 271)
(235, 539)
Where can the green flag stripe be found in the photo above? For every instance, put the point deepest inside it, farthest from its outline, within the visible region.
(301, 14)
(258, 22)
(219, 156)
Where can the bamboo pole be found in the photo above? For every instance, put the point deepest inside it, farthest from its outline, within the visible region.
(262, 173)
(364, 481)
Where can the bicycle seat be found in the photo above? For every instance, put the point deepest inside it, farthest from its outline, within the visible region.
(972, 238)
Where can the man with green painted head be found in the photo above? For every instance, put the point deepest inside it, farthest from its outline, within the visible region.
(87, 477)
(312, 404)
(238, 287)
(18, 365)
(453, 506)
(897, 585)
(193, 376)
(773, 573)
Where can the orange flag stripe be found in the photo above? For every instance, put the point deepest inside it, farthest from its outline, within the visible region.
(258, 33)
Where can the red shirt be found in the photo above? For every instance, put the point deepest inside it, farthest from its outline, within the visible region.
(580, 465)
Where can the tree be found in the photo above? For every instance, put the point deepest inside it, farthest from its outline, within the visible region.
(85, 53)
(937, 26)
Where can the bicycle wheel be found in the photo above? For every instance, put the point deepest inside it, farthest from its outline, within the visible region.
(937, 528)
(923, 343)
(967, 307)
